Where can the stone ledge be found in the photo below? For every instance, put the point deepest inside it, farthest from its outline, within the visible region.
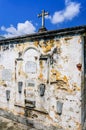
(27, 122)
(34, 109)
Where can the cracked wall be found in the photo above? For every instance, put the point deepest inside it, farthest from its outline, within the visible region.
(45, 79)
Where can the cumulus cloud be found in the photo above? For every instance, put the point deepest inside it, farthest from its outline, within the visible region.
(21, 29)
(71, 10)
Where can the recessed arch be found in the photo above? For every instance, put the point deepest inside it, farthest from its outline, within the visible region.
(31, 58)
(31, 47)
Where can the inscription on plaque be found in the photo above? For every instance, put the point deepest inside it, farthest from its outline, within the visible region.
(30, 83)
(30, 67)
(6, 74)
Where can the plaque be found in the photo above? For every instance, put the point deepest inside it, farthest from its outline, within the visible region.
(42, 89)
(29, 104)
(6, 74)
(30, 94)
(30, 83)
(30, 67)
(59, 107)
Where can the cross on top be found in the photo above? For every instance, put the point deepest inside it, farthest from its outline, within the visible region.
(43, 14)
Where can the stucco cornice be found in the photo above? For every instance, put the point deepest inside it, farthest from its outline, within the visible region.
(45, 34)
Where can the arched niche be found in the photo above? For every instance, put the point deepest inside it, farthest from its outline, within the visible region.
(30, 60)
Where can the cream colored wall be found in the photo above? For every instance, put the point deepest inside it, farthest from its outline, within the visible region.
(61, 72)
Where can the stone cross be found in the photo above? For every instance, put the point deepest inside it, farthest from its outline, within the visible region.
(43, 17)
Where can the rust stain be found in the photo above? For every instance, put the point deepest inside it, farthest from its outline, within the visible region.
(23, 74)
(75, 87)
(40, 76)
(21, 47)
(60, 81)
(65, 79)
(78, 125)
(50, 42)
(61, 85)
(41, 64)
(13, 76)
(53, 71)
(48, 117)
(46, 48)
(36, 43)
(21, 113)
(20, 64)
(58, 75)
(67, 38)
(47, 45)
(79, 66)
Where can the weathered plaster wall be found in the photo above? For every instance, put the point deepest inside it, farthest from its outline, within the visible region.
(44, 80)
(85, 76)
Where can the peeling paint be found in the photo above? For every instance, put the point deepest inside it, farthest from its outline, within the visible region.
(62, 81)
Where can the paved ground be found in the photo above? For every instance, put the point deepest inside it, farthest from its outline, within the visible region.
(6, 124)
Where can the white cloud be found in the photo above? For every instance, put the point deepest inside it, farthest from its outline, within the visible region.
(48, 17)
(67, 1)
(22, 28)
(71, 10)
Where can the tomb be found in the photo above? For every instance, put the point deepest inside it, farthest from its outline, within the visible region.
(42, 79)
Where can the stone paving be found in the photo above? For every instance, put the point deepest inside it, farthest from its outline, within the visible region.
(6, 124)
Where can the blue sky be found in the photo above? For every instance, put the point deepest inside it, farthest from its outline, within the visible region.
(18, 17)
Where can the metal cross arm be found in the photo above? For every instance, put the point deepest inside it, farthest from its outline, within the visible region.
(43, 14)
